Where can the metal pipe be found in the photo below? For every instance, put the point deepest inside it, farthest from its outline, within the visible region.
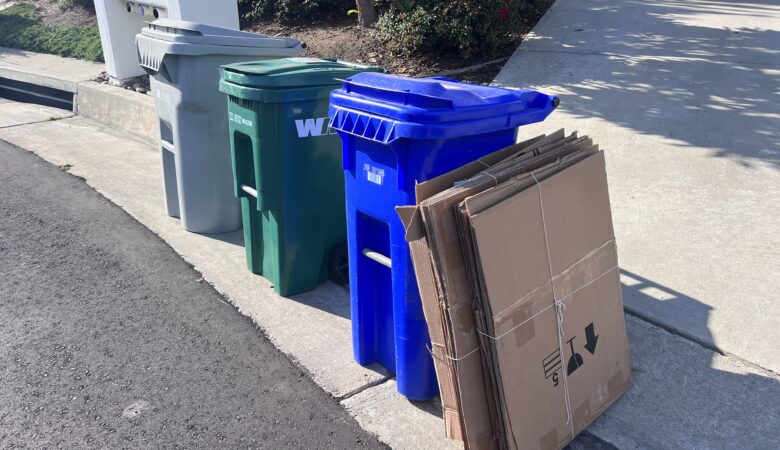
(378, 257)
(249, 190)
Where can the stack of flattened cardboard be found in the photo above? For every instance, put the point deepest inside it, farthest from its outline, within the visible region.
(516, 263)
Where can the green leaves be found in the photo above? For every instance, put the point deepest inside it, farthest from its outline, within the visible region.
(287, 11)
(22, 29)
(467, 27)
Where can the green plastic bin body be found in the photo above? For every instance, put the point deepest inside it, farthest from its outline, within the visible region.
(287, 168)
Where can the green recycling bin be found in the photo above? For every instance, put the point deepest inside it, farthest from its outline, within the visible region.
(287, 168)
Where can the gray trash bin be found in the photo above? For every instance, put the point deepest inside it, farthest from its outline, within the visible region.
(183, 59)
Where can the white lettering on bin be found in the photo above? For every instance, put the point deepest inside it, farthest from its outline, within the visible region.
(235, 118)
(312, 127)
(374, 174)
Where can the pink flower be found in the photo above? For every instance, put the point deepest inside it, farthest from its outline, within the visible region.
(503, 13)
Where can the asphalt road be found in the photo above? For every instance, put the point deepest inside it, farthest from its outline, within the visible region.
(109, 339)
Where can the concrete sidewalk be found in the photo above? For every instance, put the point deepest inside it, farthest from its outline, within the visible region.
(685, 99)
(685, 396)
(51, 71)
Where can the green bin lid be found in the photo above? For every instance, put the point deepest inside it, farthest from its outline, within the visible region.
(292, 72)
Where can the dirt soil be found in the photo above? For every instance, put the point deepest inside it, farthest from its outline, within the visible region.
(53, 14)
(347, 41)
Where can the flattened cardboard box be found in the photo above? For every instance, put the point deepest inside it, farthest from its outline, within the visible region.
(480, 432)
(445, 290)
(551, 240)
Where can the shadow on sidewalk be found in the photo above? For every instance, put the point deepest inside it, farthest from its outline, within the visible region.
(687, 71)
(683, 389)
(683, 394)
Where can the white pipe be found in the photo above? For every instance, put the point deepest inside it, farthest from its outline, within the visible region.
(378, 257)
(249, 190)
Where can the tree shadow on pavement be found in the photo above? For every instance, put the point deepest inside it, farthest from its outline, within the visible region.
(690, 72)
(685, 395)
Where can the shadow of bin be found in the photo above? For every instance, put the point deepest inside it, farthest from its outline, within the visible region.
(287, 168)
(398, 131)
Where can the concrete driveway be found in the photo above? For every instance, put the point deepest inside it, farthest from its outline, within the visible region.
(684, 96)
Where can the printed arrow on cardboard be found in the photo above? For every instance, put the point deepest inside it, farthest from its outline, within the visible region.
(591, 339)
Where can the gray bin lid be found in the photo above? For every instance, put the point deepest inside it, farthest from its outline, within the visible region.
(175, 37)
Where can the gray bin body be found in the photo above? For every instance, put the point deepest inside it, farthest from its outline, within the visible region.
(194, 136)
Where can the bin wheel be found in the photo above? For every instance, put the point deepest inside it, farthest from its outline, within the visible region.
(338, 267)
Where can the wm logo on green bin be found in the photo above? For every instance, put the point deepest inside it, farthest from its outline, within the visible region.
(313, 127)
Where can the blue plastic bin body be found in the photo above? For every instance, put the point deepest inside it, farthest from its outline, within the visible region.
(396, 132)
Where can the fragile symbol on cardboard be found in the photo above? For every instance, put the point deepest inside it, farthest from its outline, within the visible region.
(591, 338)
(551, 364)
(575, 361)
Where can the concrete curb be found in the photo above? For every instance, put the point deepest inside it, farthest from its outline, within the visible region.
(50, 71)
(118, 108)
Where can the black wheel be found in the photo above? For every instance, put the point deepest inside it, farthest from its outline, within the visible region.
(338, 266)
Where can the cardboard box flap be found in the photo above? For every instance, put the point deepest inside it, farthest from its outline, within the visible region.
(435, 185)
(411, 219)
(567, 156)
(522, 216)
(429, 188)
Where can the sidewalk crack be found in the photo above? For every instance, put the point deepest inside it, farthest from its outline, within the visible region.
(50, 119)
(357, 391)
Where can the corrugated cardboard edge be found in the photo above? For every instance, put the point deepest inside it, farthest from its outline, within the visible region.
(445, 371)
(433, 308)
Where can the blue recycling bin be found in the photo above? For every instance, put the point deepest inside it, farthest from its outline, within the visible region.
(398, 131)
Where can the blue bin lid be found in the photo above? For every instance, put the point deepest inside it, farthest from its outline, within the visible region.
(432, 100)
(385, 107)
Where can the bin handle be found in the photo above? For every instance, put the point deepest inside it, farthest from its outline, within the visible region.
(249, 190)
(167, 145)
(378, 257)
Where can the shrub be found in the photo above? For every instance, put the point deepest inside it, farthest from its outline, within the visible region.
(464, 26)
(22, 29)
(67, 4)
(287, 11)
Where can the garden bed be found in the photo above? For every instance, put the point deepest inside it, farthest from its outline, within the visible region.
(341, 39)
(344, 39)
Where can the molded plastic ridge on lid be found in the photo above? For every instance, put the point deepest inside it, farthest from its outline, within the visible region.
(292, 72)
(175, 37)
(434, 100)
(179, 31)
(385, 108)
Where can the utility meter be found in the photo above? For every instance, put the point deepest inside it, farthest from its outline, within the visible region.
(120, 20)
